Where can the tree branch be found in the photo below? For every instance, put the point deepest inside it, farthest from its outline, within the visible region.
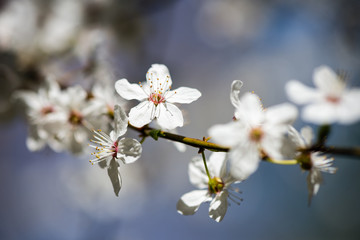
(147, 131)
(197, 143)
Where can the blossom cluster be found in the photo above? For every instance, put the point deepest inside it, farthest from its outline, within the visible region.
(65, 120)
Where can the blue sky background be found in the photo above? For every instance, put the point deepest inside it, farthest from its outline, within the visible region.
(46, 195)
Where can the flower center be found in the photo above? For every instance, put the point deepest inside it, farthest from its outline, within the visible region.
(156, 98)
(46, 110)
(114, 148)
(256, 134)
(216, 185)
(75, 118)
(333, 99)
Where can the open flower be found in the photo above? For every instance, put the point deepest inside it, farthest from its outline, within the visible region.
(313, 162)
(217, 189)
(42, 108)
(256, 132)
(112, 148)
(330, 102)
(156, 98)
(78, 114)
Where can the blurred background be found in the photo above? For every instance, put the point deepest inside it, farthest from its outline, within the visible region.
(206, 44)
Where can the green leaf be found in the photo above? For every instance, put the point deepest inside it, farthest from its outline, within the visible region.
(155, 134)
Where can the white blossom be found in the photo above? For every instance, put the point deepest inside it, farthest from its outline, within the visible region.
(216, 190)
(105, 95)
(330, 102)
(255, 132)
(314, 162)
(77, 116)
(111, 148)
(157, 99)
(42, 108)
(41, 33)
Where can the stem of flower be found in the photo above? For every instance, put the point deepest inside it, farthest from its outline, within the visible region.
(282, 162)
(206, 168)
(143, 139)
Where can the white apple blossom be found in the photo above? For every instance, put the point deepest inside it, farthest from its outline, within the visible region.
(112, 148)
(156, 98)
(216, 190)
(42, 108)
(254, 133)
(330, 102)
(314, 162)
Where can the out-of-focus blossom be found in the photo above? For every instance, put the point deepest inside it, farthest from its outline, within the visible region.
(254, 133)
(17, 15)
(61, 26)
(106, 95)
(110, 148)
(330, 102)
(314, 162)
(218, 187)
(156, 98)
(77, 116)
(42, 31)
(42, 111)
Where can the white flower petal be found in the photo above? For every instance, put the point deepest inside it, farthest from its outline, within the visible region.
(35, 144)
(227, 134)
(170, 116)
(130, 91)
(182, 95)
(319, 113)
(218, 206)
(244, 161)
(92, 108)
(234, 93)
(129, 150)
(299, 93)
(272, 143)
(348, 108)
(81, 135)
(197, 173)
(141, 114)
(328, 82)
(120, 122)
(190, 202)
(314, 179)
(296, 138)
(250, 110)
(158, 76)
(217, 164)
(285, 113)
(307, 134)
(180, 146)
(290, 145)
(114, 175)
